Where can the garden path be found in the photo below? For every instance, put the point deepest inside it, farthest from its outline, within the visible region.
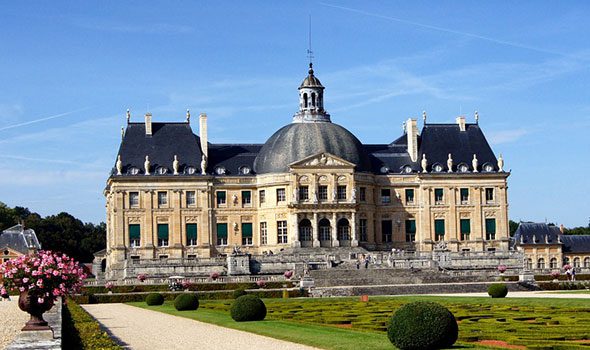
(138, 328)
(13, 319)
(536, 294)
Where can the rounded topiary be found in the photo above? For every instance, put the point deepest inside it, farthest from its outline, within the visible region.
(154, 299)
(238, 293)
(498, 290)
(423, 325)
(186, 301)
(248, 308)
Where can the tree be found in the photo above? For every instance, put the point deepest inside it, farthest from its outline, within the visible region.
(513, 225)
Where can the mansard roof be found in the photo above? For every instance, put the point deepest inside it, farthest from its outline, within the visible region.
(19, 238)
(576, 243)
(537, 233)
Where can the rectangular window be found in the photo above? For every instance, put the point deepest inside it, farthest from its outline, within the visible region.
(246, 233)
(191, 198)
(191, 234)
(162, 235)
(438, 196)
(385, 196)
(222, 234)
(281, 232)
(363, 229)
(133, 199)
(489, 195)
(134, 259)
(465, 229)
(191, 257)
(134, 235)
(464, 192)
(409, 196)
(363, 194)
(341, 193)
(439, 229)
(281, 197)
(221, 200)
(303, 193)
(263, 233)
(490, 229)
(323, 193)
(162, 199)
(246, 197)
(386, 231)
(411, 230)
(262, 196)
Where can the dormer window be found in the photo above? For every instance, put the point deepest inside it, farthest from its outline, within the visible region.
(161, 170)
(244, 170)
(488, 168)
(190, 170)
(407, 169)
(133, 170)
(463, 168)
(384, 170)
(437, 168)
(220, 170)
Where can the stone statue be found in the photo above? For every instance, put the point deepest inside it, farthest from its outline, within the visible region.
(334, 195)
(424, 163)
(235, 199)
(474, 163)
(122, 133)
(188, 116)
(119, 165)
(500, 163)
(203, 165)
(128, 116)
(353, 195)
(295, 195)
(476, 117)
(314, 195)
(146, 165)
(450, 164)
(424, 116)
(175, 164)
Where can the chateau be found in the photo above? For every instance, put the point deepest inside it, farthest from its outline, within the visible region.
(173, 196)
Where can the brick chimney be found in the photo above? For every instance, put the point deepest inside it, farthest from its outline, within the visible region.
(412, 132)
(203, 134)
(461, 122)
(561, 229)
(148, 124)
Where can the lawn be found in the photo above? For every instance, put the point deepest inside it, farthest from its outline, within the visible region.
(346, 323)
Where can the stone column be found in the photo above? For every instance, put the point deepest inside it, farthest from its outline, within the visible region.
(315, 233)
(354, 239)
(425, 222)
(333, 226)
(479, 217)
(148, 229)
(294, 223)
(177, 236)
(454, 236)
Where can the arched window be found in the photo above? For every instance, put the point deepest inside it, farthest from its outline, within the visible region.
(343, 230)
(576, 262)
(553, 263)
(566, 260)
(541, 263)
(324, 227)
(313, 104)
(305, 230)
(529, 264)
(304, 100)
(586, 262)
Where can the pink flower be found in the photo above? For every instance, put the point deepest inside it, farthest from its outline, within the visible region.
(288, 274)
(40, 300)
(25, 279)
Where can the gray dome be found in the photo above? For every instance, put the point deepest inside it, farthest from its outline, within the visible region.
(297, 141)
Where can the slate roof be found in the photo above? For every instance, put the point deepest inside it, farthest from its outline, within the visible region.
(576, 243)
(535, 233)
(20, 239)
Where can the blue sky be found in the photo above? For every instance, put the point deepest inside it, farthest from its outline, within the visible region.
(69, 70)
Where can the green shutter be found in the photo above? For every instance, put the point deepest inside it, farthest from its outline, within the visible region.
(464, 193)
(439, 227)
(491, 226)
(221, 230)
(246, 229)
(191, 231)
(163, 231)
(411, 226)
(134, 231)
(438, 193)
(246, 195)
(465, 226)
(409, 195)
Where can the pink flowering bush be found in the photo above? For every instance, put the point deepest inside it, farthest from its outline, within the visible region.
(45, 275)
(502, 268)
(567, 267)
(186, 284)
(261, 283)
(142, 277)
(109, 285)
(555, 274)
(214, 275)
(288, 274)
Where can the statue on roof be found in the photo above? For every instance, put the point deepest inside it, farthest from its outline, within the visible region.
(203, 165)
(146, 165)
(119, 165)
(175, 165)
(474, 163)
(450, 164)
(500, 163)
(424, 163)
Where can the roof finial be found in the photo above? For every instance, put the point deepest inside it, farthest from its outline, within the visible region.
(128, 115)
(424, 116)
(309, 51)
(188, 116)
(476, 117)
(122, 132)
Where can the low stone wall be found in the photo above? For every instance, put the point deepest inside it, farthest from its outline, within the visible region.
(42, 340)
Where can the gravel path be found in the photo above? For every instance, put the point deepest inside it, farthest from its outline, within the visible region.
(536, 294)
(142, 329)
(12, 320)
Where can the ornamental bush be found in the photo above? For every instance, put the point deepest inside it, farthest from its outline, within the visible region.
(498, 290)
(186, 301)
(423, 325)
(248, 308)
(238, 293)
(154, 299)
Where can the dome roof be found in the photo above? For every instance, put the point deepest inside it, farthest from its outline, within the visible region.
(297, 141)
(311, 80)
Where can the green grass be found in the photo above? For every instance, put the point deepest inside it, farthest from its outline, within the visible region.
(569, 292)
(532, 322)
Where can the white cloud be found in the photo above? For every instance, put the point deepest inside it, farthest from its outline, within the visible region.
(506, 136)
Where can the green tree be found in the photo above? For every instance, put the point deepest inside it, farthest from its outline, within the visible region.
(513, 225)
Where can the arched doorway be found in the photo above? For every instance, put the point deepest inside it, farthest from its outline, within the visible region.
(103, 265)
(325, 233)
(343, 232)
(305, 233)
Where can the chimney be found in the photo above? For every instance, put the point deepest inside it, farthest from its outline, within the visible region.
(461, 122)
(561, 229)
(412, 132)
(148, 124)
(203, 134)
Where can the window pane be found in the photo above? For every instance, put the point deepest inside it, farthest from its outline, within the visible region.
(409, 195)
(464, 194)
(190, 198)
(222, 230)
(134, 231)
(439, 226)
(220, 197)
(262, 195)
(386, 230)
(363, 194)
(246, 197)
(247, 229)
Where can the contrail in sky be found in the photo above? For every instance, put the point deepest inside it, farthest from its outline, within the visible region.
(446, 30)
(43, 119)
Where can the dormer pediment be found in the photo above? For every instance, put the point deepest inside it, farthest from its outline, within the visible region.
(322, 160)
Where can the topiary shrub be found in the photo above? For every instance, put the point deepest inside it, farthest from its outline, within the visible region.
(248, 308)
(186, 301)
(498, 290)
(423, 325)
(154, 299)
(238, 293)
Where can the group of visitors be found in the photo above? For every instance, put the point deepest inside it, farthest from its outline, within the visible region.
(363, 259)
(571, 274)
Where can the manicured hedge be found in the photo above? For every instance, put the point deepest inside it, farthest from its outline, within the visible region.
(154, 299)
(422, 326)
(238, 293)
(563, 285)
(81, 331)
(200, 287)
(248, 308)
(186, 302)
(561, 278)
(498, 290)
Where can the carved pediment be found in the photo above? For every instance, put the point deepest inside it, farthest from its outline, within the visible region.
(322, 160)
